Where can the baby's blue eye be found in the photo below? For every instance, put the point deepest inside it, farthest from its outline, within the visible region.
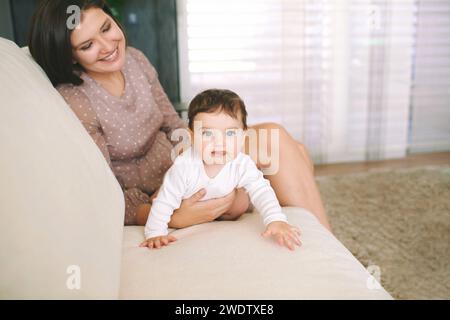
(207, 133)
(231, 133)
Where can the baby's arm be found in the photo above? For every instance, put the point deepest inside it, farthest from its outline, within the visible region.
(261, 193)
(168, 199)
(265, 201)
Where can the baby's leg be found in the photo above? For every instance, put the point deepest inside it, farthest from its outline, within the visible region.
(241, 205)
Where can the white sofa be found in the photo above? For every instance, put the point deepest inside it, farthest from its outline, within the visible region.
(62, 234)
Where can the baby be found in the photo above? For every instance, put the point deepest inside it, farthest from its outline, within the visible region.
(215, 161)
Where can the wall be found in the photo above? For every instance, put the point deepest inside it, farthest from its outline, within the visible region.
(6, 27)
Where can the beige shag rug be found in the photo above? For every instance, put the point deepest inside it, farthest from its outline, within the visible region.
(397, 221)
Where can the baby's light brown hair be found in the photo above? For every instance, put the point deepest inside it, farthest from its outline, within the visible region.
(213, 100)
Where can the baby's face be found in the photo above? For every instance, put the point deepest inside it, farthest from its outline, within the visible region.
(218, 137)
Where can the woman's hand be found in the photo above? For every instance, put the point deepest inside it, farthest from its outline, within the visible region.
(192, 211)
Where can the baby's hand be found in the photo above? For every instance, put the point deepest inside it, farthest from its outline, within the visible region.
(158, 242)
(284, 233)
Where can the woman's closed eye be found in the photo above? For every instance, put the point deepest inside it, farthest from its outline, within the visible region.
(88, 46)
(107, 28)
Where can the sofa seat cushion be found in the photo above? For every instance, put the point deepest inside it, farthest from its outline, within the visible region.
(231, 260)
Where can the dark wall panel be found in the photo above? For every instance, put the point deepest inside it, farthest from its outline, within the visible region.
(6, 26)
(151, 27)
(22, 11)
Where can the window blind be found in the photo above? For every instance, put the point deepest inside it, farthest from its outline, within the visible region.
(430, 126)
(381, 42)
(335, 74)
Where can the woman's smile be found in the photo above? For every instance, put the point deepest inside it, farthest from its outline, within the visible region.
(112, 57)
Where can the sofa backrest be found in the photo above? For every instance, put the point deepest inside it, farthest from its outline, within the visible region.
(61, 207)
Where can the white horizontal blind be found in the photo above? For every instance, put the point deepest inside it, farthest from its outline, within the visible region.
(381, 41)
(323, 69)
(275, 54)
(430, 130)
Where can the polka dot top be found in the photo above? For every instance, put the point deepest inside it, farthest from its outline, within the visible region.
(132, 131)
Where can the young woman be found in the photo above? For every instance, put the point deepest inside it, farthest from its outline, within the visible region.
(115, 92)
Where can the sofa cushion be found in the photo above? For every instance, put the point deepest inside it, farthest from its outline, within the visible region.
(61, 206)
(231, 260)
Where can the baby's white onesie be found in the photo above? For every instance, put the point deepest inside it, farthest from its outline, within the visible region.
(187, 176)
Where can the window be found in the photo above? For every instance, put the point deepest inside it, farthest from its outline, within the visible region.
(335, 74)
(430, 126)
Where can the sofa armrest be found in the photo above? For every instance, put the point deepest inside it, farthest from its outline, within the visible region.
(61, 207)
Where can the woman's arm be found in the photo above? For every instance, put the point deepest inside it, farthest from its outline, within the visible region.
(171, 119)
(192, 211)
(81, 106)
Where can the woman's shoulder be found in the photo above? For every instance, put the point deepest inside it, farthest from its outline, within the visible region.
(70, 91)
(136, 54)
(75, 97)
(67, 88)
(141, 59)
(134, 51)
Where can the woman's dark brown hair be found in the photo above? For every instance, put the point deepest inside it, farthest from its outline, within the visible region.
(49, 38)
(213, 100)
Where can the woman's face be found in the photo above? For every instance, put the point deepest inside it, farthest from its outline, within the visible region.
(98, 44)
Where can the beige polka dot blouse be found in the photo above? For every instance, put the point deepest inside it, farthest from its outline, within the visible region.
(132, 131)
